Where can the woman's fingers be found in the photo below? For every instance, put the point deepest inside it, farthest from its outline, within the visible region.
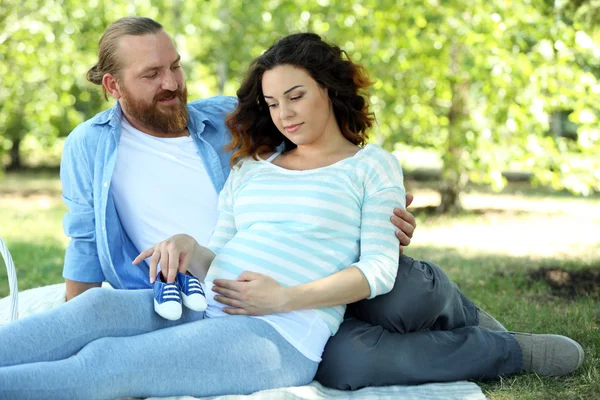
(184, 262)
(227, 293)
(154, 260)
(235, 311)
(173, 263)
(230, 302)
(164, 266)
(143, 255)
(173, 254)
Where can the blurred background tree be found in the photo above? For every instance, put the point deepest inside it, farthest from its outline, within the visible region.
(490, 86)
(586, 12)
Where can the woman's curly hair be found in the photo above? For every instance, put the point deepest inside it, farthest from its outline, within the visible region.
(252, 129)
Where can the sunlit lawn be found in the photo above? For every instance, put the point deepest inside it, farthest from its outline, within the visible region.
(31, 212)
(488, 251)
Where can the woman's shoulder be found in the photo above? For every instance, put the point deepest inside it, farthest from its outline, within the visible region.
(250, 163)
(374, 154)
(381, 168)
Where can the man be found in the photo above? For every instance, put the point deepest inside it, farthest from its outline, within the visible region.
(152, 166)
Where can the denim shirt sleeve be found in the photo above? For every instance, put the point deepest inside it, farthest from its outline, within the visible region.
(82, 263)
(207, 118)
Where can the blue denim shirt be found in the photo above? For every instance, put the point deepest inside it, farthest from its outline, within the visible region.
(99, 248)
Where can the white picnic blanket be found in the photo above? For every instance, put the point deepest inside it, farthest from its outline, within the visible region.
(46, 297)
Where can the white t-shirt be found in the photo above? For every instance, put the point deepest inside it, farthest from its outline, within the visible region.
(161, 188)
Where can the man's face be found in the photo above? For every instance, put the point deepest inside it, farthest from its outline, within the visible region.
(152, 84)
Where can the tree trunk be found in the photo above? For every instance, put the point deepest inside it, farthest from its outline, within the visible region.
(222, 75)
(454, 176)
(15, 155)
(223, 64)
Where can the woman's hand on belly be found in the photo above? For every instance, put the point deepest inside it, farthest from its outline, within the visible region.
(251, 294)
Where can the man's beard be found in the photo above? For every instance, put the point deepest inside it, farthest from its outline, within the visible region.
(148, 114)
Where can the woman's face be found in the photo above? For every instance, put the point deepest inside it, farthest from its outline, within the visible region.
(299, 107)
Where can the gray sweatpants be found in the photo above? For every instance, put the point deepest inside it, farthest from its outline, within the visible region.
(424, 330)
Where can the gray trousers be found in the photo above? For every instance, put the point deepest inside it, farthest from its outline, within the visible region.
(424, 330)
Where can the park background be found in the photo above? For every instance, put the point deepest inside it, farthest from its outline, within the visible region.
(491, 106)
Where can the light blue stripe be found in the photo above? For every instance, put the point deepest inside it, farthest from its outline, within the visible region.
(334, 312)
(332, 244)
(383, 231)
(328, 182)
(372, 175)
(219, 237)
(377, 216)
(221, 266)
(285, 255)
(228, 231)
(298, 211)
(379, 242)
(386, 201)
(266, 264)
(282, 195)
(329, 315)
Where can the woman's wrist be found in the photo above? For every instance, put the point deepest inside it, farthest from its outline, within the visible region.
(200, 260)
(343, 287)
(289, 298)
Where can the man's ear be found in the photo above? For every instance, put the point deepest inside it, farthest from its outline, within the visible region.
(111, 84)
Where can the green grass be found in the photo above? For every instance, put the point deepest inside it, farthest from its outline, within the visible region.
(489, 251)
(32, 229)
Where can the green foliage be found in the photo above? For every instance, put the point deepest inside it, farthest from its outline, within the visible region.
(585, 11)
(44, 53)
(478, 81)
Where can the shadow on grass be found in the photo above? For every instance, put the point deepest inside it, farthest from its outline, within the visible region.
(568, 278)
(37, 264)
(569, 283)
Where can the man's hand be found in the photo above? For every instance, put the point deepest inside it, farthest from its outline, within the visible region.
(74, 288)
(251, 294)
(405, 222)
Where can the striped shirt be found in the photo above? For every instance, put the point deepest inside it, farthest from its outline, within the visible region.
(300, 226)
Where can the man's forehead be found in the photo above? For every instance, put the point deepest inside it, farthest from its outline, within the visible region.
(141, 51)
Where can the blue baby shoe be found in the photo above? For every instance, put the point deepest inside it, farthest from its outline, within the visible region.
(191, 292)
(167, 299)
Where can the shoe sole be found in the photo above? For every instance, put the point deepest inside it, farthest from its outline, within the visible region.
(194, 304)
(170, 310)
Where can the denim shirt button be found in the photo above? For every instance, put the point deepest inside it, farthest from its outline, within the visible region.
(105, 184)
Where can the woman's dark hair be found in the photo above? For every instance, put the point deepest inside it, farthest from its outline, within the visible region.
(252, 129)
